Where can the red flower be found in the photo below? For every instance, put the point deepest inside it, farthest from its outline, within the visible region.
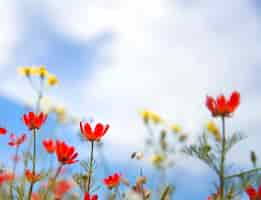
(3, 131)
(35, 196)
(6, 177)
(87, 196)
(62, 187)
(93, 135)
(253, 194)
(34, 121)
(49, 145)
(16, 141)
(112, 181)
(65, 154)
(222, 107)
(32, 177)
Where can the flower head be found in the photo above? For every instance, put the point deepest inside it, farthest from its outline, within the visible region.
(32, 177)
(222, 107)
(49, 145)
(65, 154)
(213, 129)
(34, 121)
(52, 80)
(25, 71)
(6, 177)
(61, 188)
(253, 194)
(112, 181)
(93, 135)
(176, 128)
(150, 116)
(87, 196)
(3, 131)
(16, 141)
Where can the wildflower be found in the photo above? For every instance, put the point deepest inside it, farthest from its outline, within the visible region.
(60, 114)
(32, 177)
(65, 154)
(253, 194)
(3, 131)
(176, 128)
(40, 70)
(49, 145)
(222, 107)
(35, 196)
(52, 80)
(16, 141)
(34, 121)
(25, 71)
(61, 188)
(149, 115)
(112, 181)
(87, 196)
(213, 129)
(158, 159)
(6, 177)
(93, 135)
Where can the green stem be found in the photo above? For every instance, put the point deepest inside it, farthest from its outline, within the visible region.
(243, 173)
(222, 162)
(90, 169)
(13, 171)
(34, 160)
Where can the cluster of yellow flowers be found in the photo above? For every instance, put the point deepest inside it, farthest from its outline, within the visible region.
(150, 116)
(214, 130)
(41, 71)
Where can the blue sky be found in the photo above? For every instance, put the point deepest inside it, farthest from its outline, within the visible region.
(114, 57)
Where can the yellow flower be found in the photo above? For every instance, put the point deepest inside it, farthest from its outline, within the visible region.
(176, 128)
(52, 80)
(149, 115)
(39, 71)
(42, 71)
(155, 117)
(145, 115)
(61, 114)
(25, 71)
(213, 129)
(157, 159)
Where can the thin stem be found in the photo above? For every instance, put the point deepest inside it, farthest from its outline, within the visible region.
(34, 160)
(13, 171)
(90, 169)
(243, 173)
(223, 158)
(142, 188)
(117, 191)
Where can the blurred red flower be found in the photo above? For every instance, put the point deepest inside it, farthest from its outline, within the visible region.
(61, 188)
(65, 154)
(34, 121)
(35, 196)
(6, 177)
(87, 196)
(253, 194)
(96, 134)
(49, 145)
(3, 131)
(112, 181)
(222, 107)
(32, 177)
(16, 141)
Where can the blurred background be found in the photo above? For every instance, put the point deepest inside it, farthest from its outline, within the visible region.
(115, 57)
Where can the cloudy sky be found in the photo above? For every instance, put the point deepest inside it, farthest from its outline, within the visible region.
(124, 55)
